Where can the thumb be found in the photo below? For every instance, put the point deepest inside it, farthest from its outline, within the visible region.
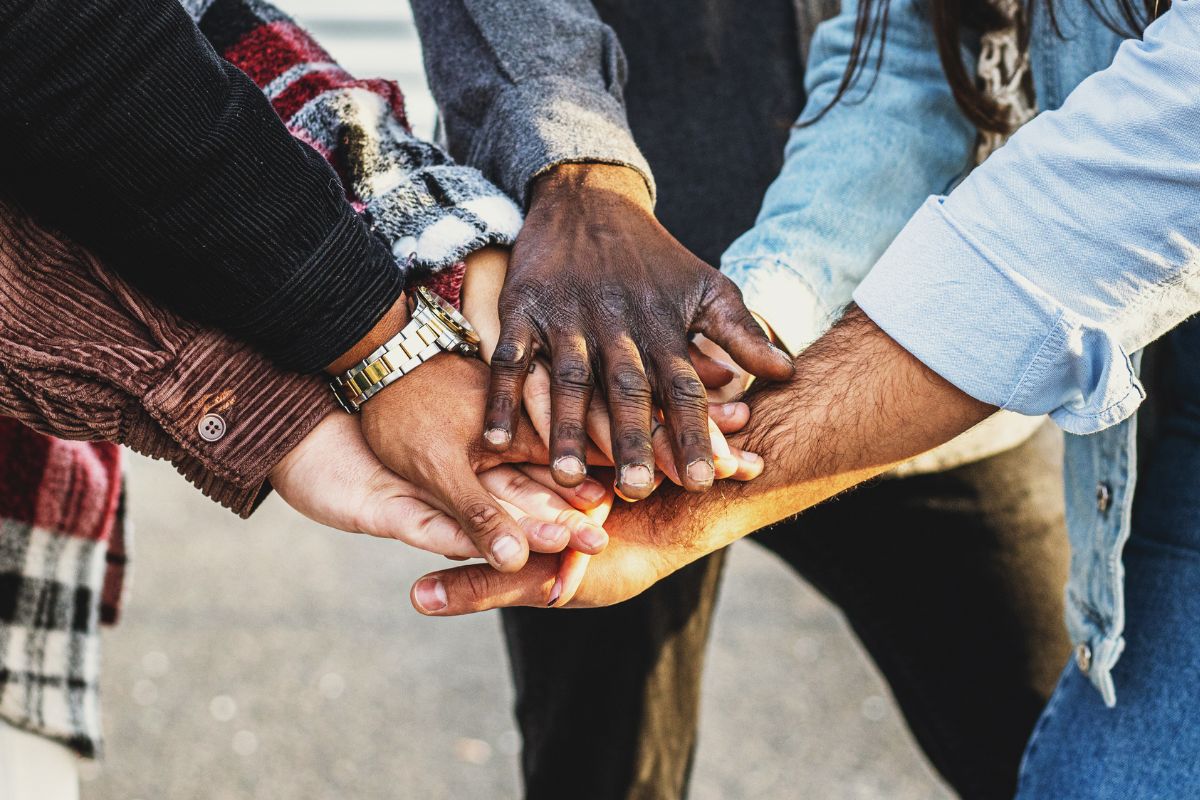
(727, 321)
(478, 587)
(493, 531)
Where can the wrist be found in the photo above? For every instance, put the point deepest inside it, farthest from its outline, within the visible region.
(483, 280)
(395, 318)
(570, 180)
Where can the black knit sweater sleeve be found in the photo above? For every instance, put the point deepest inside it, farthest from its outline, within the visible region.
(123, 128)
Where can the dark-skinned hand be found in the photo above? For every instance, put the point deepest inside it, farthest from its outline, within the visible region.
(597, 283)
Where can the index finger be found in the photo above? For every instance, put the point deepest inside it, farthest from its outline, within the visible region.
(510, 365)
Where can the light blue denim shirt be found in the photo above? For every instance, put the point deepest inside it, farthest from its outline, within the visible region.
(1033, 282)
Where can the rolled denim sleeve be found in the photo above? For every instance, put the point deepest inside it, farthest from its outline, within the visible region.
(850, 181)
(526, 86)
(1073, 246)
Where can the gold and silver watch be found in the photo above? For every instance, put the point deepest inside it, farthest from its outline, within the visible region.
(435, 327)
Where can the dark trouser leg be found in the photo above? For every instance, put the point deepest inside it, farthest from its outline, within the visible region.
(954, 583)
(607, 699)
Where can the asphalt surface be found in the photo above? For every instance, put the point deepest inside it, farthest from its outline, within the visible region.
(277, 659)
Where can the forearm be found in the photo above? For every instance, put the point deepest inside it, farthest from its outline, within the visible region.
(127, 131)
(526, 86)
(85, 356)
(858, 405)
(1073, 246)
(845, 189)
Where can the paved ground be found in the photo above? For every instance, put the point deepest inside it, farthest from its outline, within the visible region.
(276, 659)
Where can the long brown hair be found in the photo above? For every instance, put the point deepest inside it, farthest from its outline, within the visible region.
(949, 19)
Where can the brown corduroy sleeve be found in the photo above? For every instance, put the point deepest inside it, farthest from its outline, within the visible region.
(85, 356)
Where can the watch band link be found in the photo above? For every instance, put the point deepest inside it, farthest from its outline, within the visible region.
(424, 337)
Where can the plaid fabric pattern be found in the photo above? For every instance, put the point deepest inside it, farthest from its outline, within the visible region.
(61, 568)
(63, 533)
(431, 211)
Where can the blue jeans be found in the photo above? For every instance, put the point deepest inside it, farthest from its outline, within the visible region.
(1149, 745)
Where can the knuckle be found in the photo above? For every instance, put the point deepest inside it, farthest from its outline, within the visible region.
(693, 437)
(522, 294)
(538, 389)
(631, 384)
(687, 390)
(570, 432)
(501, 404)
(482, 516)
(572, 372)
(510, 355)
(633, 440)
(614, 300)
(477, 585)
(514, 483)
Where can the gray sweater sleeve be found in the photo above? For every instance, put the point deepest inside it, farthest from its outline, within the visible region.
(525, 86)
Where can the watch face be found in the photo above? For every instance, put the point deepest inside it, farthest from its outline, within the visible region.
(453, 320)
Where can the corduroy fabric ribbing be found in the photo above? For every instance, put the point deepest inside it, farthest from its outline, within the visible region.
(85, 356)
(124, 128)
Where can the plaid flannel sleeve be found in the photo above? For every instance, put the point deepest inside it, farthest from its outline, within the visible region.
(431, 211)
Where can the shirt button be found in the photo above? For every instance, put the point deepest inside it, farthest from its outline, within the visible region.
(212, 427)
(1103, 497)
(1083, 658)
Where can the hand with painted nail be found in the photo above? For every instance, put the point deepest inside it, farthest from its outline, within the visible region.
(425, 428)
(332, 477)
(857, 405)
(599, 287)
(644, 548)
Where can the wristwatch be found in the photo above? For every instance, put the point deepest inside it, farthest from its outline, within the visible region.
(435, 327)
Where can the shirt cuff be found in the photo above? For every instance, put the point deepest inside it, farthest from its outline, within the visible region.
(779, 294)
(537, 125)
(992, 332)
(232, 417)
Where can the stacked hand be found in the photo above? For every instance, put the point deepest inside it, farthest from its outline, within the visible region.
(415, 466)
(334, 478)
(610, 298)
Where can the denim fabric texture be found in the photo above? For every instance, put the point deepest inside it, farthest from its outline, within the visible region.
(1145, 747)
(1030, 282)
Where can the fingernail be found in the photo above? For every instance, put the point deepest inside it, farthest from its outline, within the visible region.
(590, 491)
(552, 532)
(555, 592)
(505, 549)
(725, 465)
(496, 436)
(637, 475)
(431, 594)
(753, 458)
(730, 409)
(701, 471)
(570, 466)
(593, 536)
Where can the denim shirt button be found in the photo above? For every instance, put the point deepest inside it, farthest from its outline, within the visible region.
(1083, 658)
(1103, 497)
